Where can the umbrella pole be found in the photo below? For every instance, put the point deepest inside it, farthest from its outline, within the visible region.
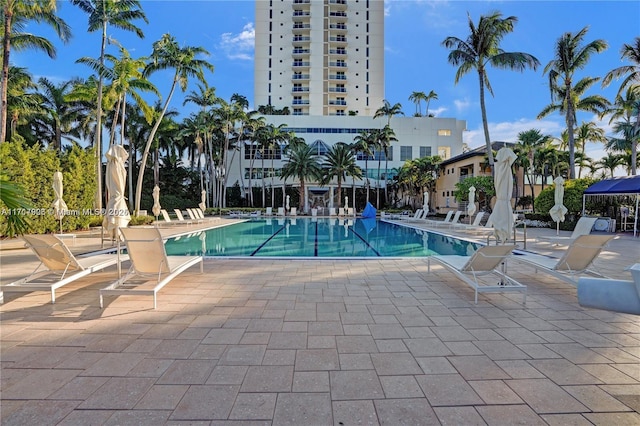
(557, 228)
(118, 252)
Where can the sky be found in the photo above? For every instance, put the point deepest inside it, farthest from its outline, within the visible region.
(415, 59)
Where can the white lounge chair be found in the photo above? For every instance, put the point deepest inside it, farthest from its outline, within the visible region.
(417, 216)
(280, 211)
(200, 215)
(181, 218)
(167, 219)
(149, 263)
(583, 227)
(194, 216)
(576, 260)
(61, 266)
(341, 211)
(332, 211)
(293, 211)
(447, 219)
(473, 225)
(611, 294)
(351, 211)
(269, 211)
(485, 261)
(455, 220)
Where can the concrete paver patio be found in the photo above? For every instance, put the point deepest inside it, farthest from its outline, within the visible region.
(374, 341)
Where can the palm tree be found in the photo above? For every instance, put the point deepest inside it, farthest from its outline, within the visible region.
(59, 114)
(588, 132)
(529, 141)
(167, 54)
(387, 136)
(270, 138)
(22, 102)
(610, 162)
(17, 16)
(364, 142)
(632, 79)
(482, 48)
(431, 96)
(102, 13)
(340, 163)
(417, 98)
(566, 94)
(302, 163)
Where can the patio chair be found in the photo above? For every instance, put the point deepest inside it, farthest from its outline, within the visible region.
(351, 211)
(269, 211)
(61, 266)
(610, 294)
(455, 220)
(583, 227)
(181, 218)
(167, 219)
(484, 261)
(293, 211)
(280, 211)
(576, 260)
(471, 226)
(341, 211)
(447, 219)
(332, 211)
(149, 263)
(417, 216)
(193, 216)
(200, 215)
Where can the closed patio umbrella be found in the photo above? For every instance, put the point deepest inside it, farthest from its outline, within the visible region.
(117, 212)
(156, 202)
(502, 215)
(59, 206)
(558, 210)
(425, 203)
(203, 200)
(471, 208)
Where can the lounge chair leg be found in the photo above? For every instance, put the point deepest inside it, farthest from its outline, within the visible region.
(53, 296)
(101, 304)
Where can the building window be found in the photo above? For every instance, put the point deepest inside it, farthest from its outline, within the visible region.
(425, 151)
(319, 148)
(444, 132)
(406, 153)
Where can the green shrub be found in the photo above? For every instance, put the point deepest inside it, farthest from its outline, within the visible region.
(573, 191)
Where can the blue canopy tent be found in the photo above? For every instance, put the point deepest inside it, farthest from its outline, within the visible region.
(627, 186)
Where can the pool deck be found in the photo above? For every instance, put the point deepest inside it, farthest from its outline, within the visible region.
(321, 342)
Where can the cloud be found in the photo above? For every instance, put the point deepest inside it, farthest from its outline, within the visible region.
(462, 104)
(437, 112)
(239, 46)
(508, 131)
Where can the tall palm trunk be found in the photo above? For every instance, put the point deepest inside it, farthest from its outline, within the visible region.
(485, 123)
(6, 48)
(98, 135)
(152, 135)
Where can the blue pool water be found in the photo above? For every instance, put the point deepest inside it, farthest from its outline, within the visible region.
(317, 237)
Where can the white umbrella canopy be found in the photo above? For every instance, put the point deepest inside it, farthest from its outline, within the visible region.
(502, 215)
(471, 208)
(203, 200)
(287, 204)
(425, 203)
(156, 202)
(117, 212)
(346, 202)
(558, 210)
(59, 206)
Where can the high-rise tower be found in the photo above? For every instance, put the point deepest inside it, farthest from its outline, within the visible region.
(320, 57)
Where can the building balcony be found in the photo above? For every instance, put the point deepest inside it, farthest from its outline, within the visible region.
(338, 64)
(338, 14)
(301, 64)
(301, 27)
(337, 77)
(300, 102)
(301, 52)
(297, 39)
(338, 27)
(300, 89)
(298, 77)
(341, 52)
(302, 3)
(338, 4)
(301, 14)
(338, 39)
(338, 102)
(337, 89)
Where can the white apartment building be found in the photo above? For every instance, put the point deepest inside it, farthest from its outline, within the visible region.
(320, 57)
(324, 61)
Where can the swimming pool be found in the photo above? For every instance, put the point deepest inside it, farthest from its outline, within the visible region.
(317, 237)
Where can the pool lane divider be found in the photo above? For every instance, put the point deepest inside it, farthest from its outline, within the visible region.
(315, 248)
(365, 241)
(266, 241)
